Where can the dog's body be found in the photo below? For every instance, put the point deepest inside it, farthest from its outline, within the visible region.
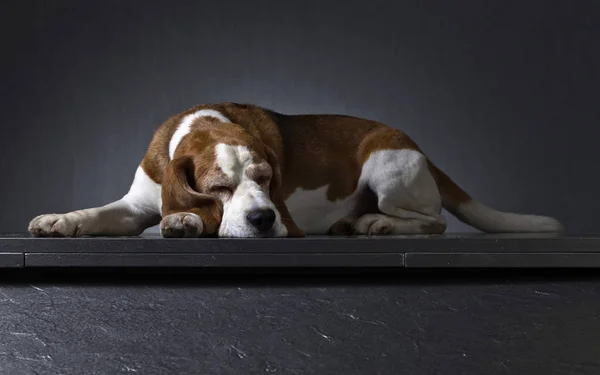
(238, 170)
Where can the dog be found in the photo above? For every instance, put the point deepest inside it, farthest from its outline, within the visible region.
(240, 170)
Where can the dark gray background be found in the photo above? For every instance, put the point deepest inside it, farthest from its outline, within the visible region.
(503, 95)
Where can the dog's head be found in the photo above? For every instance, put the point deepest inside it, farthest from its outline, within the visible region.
(232, 180)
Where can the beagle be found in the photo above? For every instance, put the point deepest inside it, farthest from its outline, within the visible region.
(237, 170)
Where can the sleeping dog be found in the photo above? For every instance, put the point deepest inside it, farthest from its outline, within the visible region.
(235, 170)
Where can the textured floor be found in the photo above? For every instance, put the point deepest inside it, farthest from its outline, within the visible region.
(332, 324)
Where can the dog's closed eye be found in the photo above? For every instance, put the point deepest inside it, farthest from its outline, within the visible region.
(261, 174)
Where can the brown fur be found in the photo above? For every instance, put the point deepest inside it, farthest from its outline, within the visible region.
(180, 195)
(304, 151)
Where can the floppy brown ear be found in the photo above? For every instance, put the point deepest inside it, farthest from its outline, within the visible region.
(179, 196)
(277, 196)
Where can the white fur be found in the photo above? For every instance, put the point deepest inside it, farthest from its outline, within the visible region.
(489, 220)
(384, 224)
(184, 127)
(129, 216)
(405, 189)
(181, 224)
(233, 160)
(144, 193)
(313, 212)
(403, 184)
(248, 195)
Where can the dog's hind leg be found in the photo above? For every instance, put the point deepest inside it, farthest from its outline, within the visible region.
(408, 199)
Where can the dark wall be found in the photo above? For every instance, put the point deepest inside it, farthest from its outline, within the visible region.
(503, 95)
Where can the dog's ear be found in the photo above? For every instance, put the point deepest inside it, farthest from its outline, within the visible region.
(179, 196)
(277, 196)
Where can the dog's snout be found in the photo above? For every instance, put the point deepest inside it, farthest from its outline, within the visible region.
(261, 219)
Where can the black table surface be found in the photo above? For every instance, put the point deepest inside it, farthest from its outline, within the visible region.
(440, 251)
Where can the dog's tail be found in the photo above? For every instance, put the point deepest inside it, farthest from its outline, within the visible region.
(456, 201)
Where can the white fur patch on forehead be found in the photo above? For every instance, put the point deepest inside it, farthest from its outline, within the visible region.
(233, 160)
(185, 125)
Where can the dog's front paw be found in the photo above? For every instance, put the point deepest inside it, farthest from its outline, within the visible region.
(181, 224)
(54, 225)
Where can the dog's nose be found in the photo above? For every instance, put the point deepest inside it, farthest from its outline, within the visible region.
(261, 219)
